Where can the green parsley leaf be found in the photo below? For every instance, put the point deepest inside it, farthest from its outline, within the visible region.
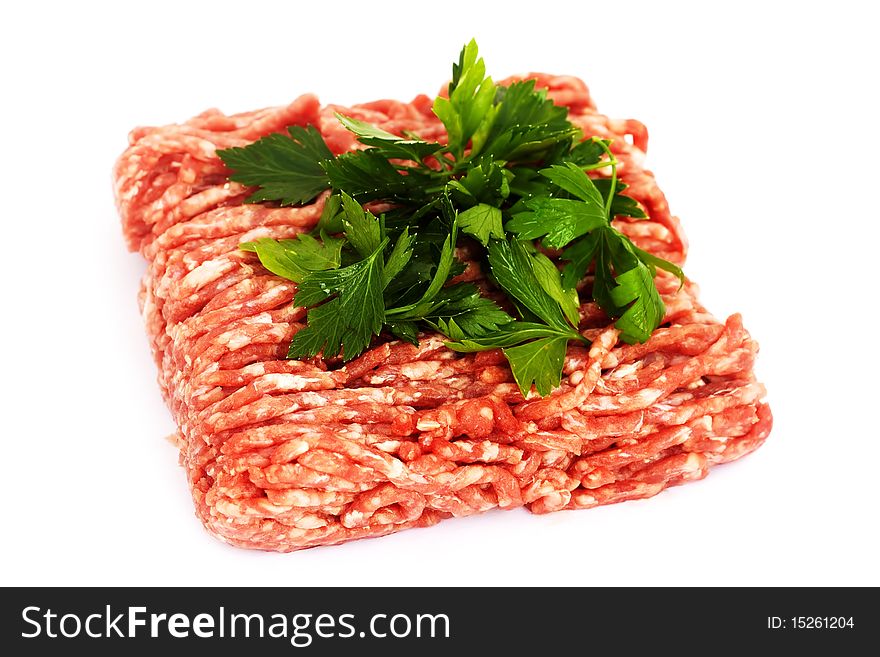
(295, 258)
(526, 123)
(362, 229)
(623, 282)
(326, 331)
(406, 331)
(482, 221)
(538, 362)
(388, 145)
(486, 182)
(533, 281)
(587, 153)
(468, 112)
(514, 269)
(358, 310)
(441, 275)
(580, 255)
(507, 335)
(557, 220)
(283, 168)
(331, 216)
(548, 276)
(575, 181)
(645, 312)
(603, 279)
(655, 262)
(409, 285)
(536, 353)
(400, 256)
(369, 176)
(464, 308)
(525, 183)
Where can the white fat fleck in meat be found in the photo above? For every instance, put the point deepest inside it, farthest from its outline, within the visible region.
(297, 448)
(149, 304)
(381, 396)
(641, 422)
(285, 381)
(254, 369)
(298, 498)
(131, 193)
(387, 445)
(722, 393)
(310, 521)
(314, 399)
(396, 470)
(237, 340)
(625, 370)
(208, 271)
(419, 370)
(201, 390)
(259, 318)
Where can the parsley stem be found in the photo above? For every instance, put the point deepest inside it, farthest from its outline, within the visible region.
(601, 165)
(613, 162)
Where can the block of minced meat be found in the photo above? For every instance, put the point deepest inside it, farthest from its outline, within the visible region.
(283, 453)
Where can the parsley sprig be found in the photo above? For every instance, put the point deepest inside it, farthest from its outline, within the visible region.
(513, 181)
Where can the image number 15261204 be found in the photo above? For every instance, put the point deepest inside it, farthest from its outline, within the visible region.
(810, 623)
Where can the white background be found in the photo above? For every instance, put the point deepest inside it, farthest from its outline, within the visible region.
(764, 136)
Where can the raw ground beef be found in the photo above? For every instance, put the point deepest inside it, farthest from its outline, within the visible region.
(285, 454)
